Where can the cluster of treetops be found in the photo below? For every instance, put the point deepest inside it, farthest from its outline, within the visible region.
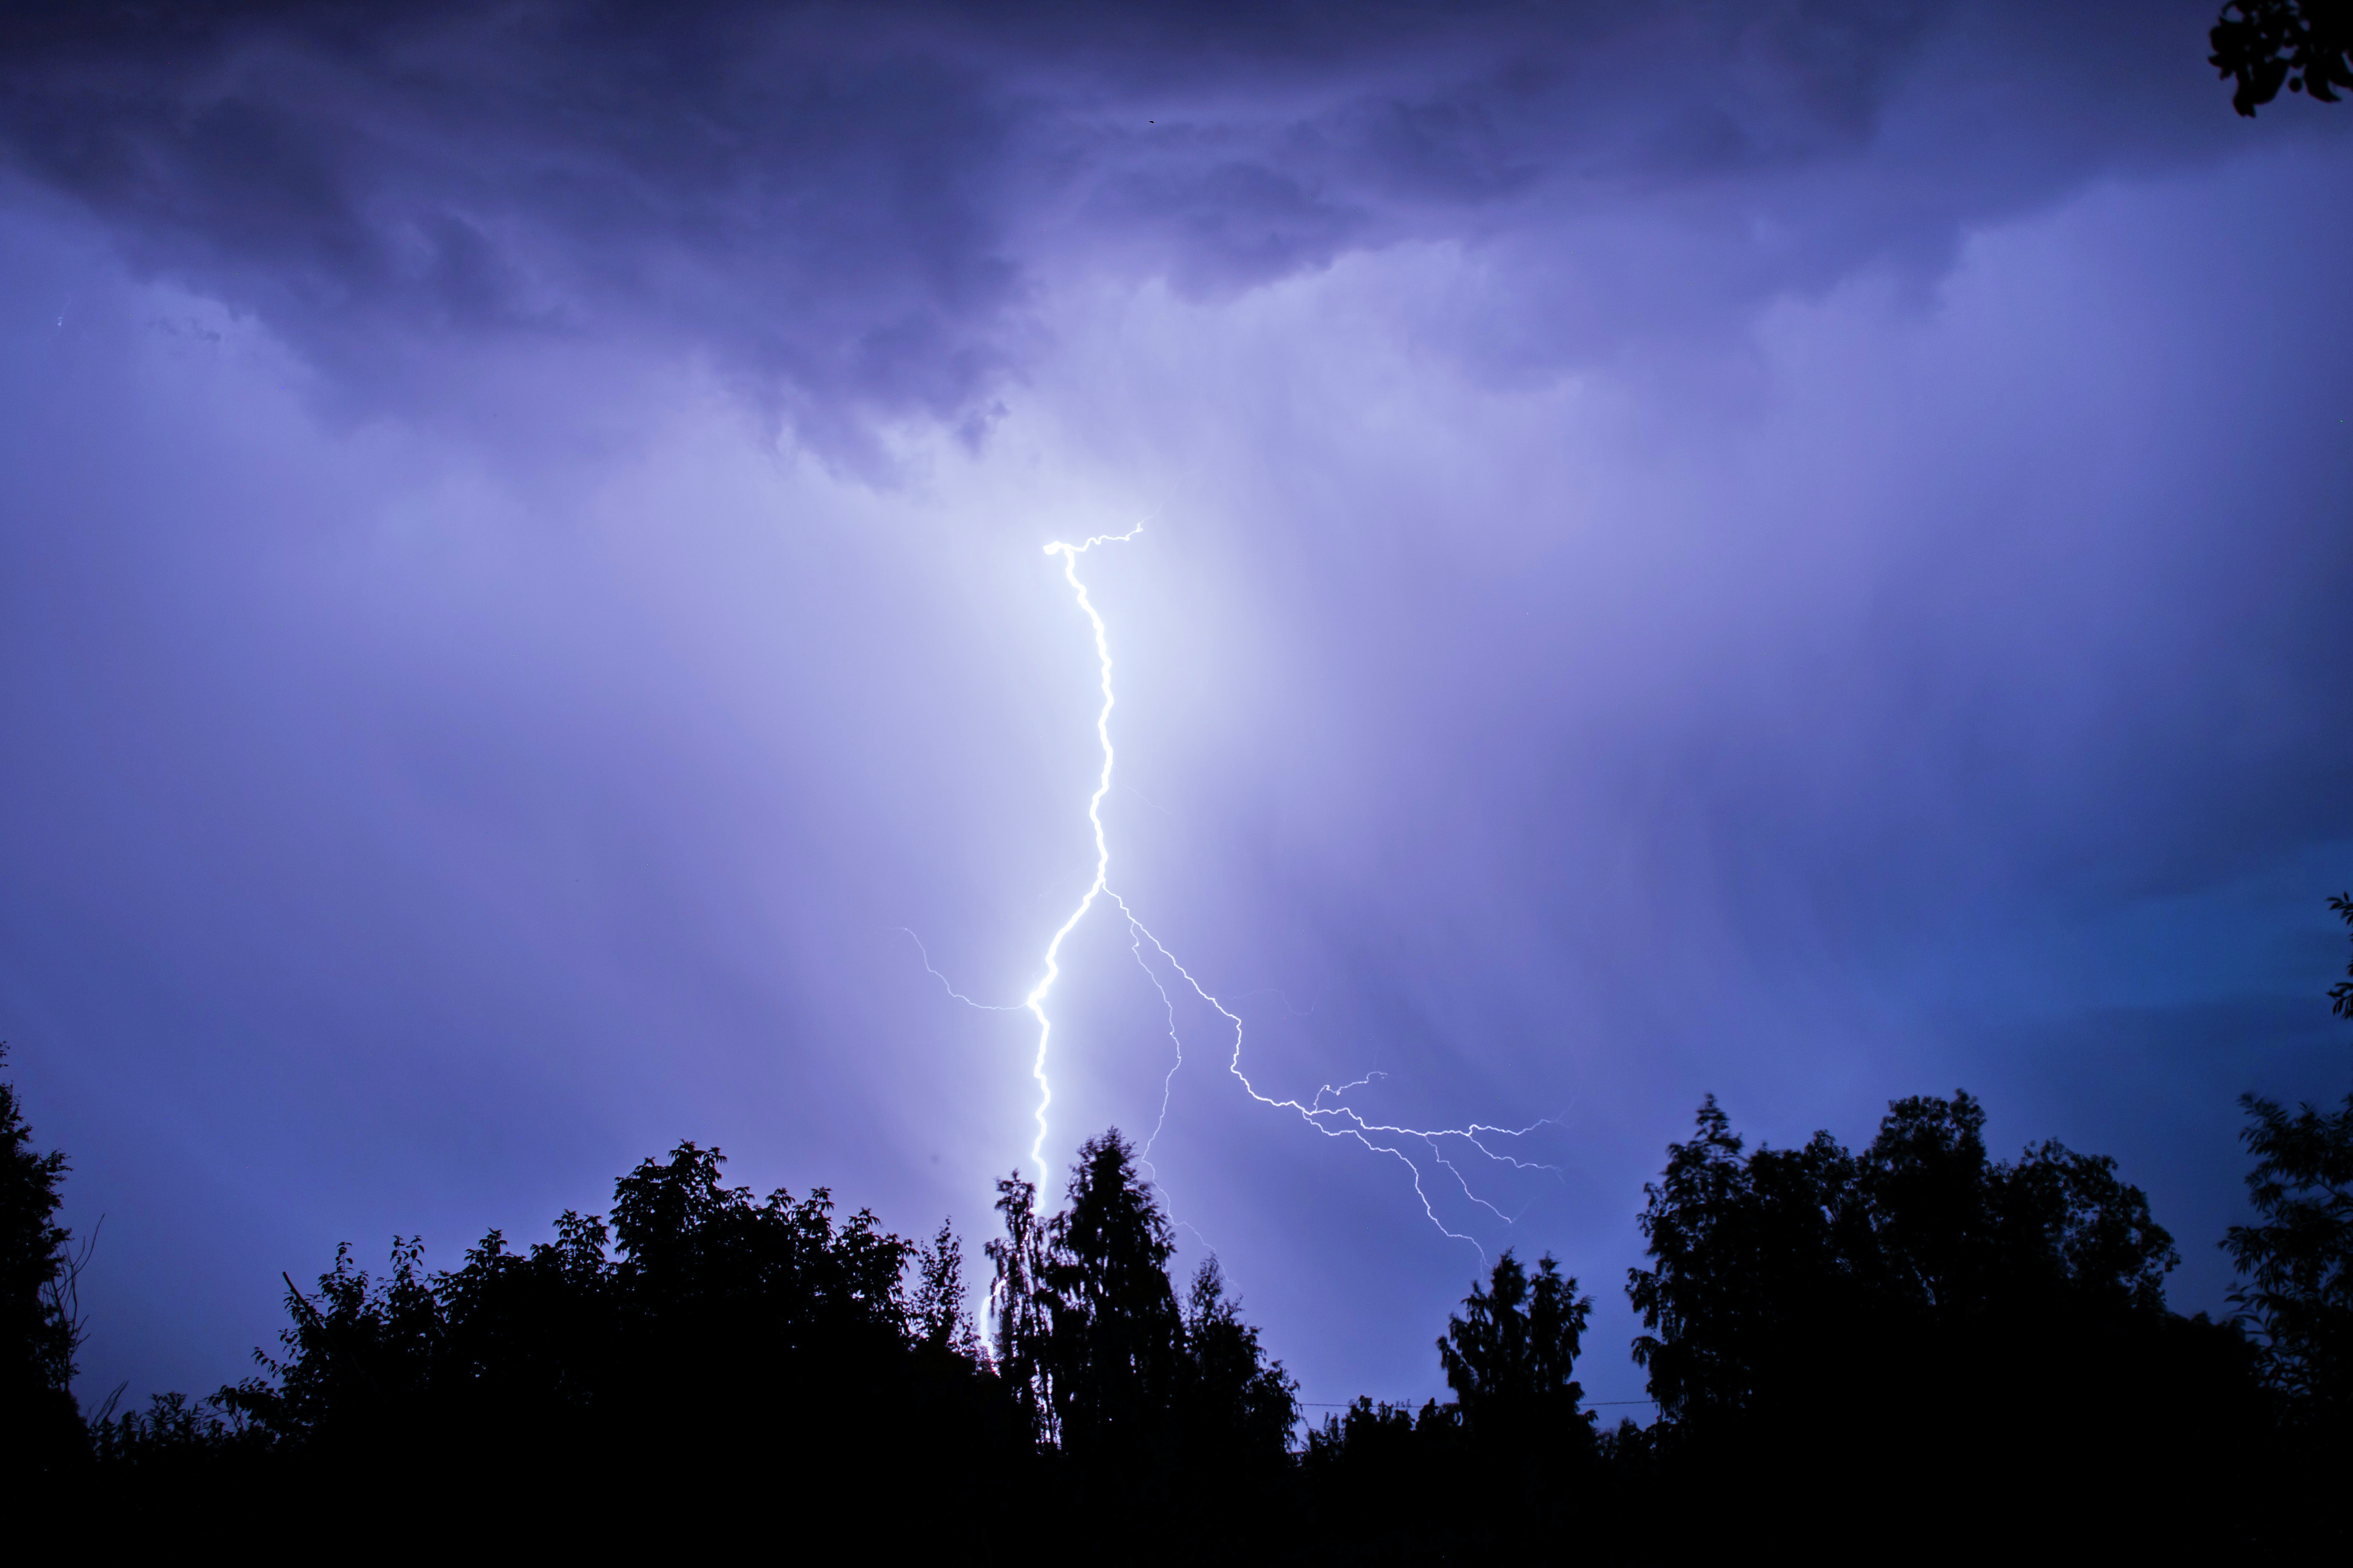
(1914, 1347)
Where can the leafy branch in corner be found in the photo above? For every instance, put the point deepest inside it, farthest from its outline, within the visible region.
(2304, 44)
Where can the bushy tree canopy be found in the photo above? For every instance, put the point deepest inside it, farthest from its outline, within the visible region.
(1768, 1269)
(1140, 1398)
(38, 1333)
(2296, 1265)
(1510, 1356)
(707, 1338)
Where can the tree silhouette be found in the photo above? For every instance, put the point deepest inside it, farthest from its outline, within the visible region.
(940, 1323)
(2307, 45)
(1748, 1279)
(1837, 1340)
(1393, 1485)
(1770, 1272)
(708, 1343)
(2340, 995)
(1117, 1331)
(1021, 1303)
(1139, 1405)
(2297, 1264)
(175, 1442)
(1509, 1465)
(40, 1426)
(1509, 1357)
(1814, 1308)
(1235, 1407)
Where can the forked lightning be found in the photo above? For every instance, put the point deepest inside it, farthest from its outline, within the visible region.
(1327, 1111)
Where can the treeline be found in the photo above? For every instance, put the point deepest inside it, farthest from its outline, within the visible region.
(1910, 1349)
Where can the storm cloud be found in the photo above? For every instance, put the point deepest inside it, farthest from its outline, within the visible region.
(852, 211)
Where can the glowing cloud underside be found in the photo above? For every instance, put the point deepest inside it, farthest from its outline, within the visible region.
(1327, 1111)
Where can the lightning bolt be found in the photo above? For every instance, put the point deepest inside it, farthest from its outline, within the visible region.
(1338, 1119)
(1036, 1000)
(1334, 1120)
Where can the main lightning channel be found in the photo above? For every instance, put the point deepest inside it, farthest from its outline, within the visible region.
(1327, 1113)
(1036, 1000)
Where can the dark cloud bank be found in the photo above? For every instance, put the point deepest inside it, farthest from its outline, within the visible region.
(849, 209)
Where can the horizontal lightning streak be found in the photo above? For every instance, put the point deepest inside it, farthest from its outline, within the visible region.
(1353, 1125)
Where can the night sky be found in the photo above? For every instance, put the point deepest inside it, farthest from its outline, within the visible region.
(1789, 550)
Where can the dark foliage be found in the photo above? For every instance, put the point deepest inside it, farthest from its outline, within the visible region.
(1511, 1464)
(1762, 1265)
(1235, 1407)
(1020, 1303)
(1114, 1333)
(1508, 1359)
(2340, 995)
(1143, 1404)
(1923, 1319)
(178, 1443)
(1843, 1345)
(2307, 45)
(40, 1426)
(709, 1344)
(2297, 1266)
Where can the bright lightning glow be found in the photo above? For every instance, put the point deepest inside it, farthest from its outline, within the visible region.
(1335, 1119)
(1036, 1000)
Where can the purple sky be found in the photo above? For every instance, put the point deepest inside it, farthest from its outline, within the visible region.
(1791, 551)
